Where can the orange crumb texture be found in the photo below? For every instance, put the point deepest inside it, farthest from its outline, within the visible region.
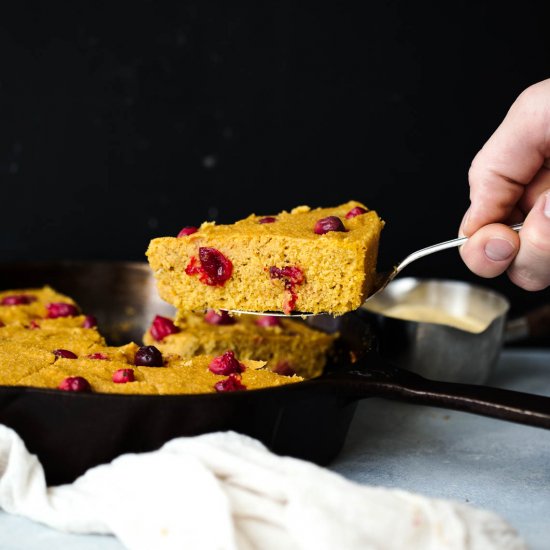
(30, 342)
(287, 263)
(286, 345)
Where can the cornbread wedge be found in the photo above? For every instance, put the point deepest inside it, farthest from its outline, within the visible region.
(46, 343)
(288, 346)
(308, 260)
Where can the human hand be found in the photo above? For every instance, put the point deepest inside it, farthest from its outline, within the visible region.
(509, 183)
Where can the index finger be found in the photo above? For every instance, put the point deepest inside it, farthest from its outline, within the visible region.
(510, 159)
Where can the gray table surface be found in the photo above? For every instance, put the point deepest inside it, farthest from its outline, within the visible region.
(488, 463)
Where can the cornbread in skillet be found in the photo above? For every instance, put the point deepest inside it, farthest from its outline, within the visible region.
(44, 346)
(309, 260)
(25, 305)
(286, 345)
(176, 376)
(78, 340)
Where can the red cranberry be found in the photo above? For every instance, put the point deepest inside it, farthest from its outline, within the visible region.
(61, 309)
(356, 211)
(268, 321)
(65, 354)
(3, 325)
(148, 356)
(75, 383)
(162, 327)
(34, 325)
(216, 266)
(226, 364)
(18, 300)
(267, 219)
(99, 356)
(330, 223)
(284, 368)
(212, 267)
(291, 277)
(189, 230)
(233, 383)
(222, 318)
(121, 376)
(89, 322)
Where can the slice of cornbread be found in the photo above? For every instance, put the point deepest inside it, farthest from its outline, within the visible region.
(288, 346)
(177, 376)
(40, 348)
(31, 304)
(77, 340)
(320, 260)
(18, 361)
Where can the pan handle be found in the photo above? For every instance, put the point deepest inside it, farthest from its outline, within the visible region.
(375, 378)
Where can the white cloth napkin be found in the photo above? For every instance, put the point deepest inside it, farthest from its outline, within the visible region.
(226, 491)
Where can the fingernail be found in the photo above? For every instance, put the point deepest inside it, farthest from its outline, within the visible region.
(498, 249)
(547, 205)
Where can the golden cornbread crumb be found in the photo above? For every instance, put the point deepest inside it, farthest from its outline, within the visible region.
(37, 309)
(290, 344)
(337, 268)
(78, 340)
(177, 376)
(27, 358)
(18, 361)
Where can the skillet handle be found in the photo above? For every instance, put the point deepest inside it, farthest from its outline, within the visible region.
(376, 379)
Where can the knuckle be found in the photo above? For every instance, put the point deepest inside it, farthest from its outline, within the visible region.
(527, 279)
(538, 244)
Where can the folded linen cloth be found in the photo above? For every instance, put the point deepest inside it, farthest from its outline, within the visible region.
(227, 491)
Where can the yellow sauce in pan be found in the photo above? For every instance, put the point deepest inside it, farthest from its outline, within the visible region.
(429, 314)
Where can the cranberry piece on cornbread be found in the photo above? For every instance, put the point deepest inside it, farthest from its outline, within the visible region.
(89, 322)
(213, 317)
(65, 354)
(18, 300)
(284, 368)
(148, 356)
(268, 321)
(188, 230)
(212, 267)
(292, 277)
(121, 376)
(76, 384)
(98, 356)
(232, 383)
(356, 211)
(162, 327)
(330, 223)
(267, 219)
(226, 364)
(61, 309)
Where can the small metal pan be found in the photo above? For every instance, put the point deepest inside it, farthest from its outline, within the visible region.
(434, 349)
(73, 432)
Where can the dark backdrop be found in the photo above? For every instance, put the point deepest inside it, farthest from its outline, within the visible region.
(124, 121)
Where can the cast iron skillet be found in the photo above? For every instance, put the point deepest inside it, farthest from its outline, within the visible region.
(72, 432)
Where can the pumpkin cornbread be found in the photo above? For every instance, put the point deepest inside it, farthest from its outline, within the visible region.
(50, 347)
(288, 346)
(38, 368)
(308, 260)
(27, 305)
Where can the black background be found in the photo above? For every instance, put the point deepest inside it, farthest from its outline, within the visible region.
(120, 122)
